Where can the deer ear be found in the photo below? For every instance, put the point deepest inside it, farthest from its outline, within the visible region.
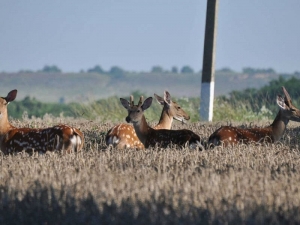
(147, 103)
(11, 96)
(125, 103)
(281, 103)
(159, 99)
(167, 97)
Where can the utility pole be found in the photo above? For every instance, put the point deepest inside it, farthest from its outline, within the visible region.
(208, 67)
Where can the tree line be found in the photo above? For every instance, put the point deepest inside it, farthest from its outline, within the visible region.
(114, 70)
(118, 71)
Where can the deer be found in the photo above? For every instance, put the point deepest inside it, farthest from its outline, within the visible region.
(228, 135)
(151, 137)
(123, 135)
(57, 138)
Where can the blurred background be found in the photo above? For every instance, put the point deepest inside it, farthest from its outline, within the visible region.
(76, 51)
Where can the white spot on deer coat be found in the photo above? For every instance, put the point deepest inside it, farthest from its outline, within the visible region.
(24, 143)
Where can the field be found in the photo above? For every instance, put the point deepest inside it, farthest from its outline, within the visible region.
(255, 184)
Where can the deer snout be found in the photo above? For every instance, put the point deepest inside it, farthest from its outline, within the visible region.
(180, 119)
(128, 120)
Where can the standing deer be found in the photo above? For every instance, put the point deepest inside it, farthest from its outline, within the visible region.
(228, 135)
(13, 139)
(149, 136)
(123, 135)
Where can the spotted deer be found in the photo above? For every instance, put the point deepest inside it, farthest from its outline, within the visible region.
(228, 135)
(151, 137)
(12, 139)
(123, 135)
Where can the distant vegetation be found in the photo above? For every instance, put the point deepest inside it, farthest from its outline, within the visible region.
(114, 70)
(186, 69)
(155, 69)
(249, 70)
(34, 108)
(51, 69)
(52, 84)
(265, 96)
(247, 105)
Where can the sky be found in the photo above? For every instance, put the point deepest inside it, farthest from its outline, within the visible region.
(139, 34)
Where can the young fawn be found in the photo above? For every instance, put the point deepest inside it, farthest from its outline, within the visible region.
(149, 136)
(13, 139)
(123, 135)
(227, 135)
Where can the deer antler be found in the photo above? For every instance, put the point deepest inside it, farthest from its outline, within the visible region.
(287, 97)
(131, 101)
(141, 101)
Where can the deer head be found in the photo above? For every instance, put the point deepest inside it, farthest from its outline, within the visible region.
(289, 111)
(4, 101)
(172, 108)
(135, 112)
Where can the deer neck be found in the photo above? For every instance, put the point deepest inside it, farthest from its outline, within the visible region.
(165, 121)
(5, 126)
(279, 125)
(142, 129)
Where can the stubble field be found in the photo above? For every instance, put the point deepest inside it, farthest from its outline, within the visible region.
(254, 184)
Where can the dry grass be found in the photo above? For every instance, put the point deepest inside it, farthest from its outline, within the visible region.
(240, 185)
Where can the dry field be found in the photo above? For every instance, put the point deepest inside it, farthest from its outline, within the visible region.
(239, 185)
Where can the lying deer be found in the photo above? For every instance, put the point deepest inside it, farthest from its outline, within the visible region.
(13, 139)
(149, 136)
(228, 135)
(123, 135)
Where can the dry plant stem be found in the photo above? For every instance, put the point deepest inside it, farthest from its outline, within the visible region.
(243, 184)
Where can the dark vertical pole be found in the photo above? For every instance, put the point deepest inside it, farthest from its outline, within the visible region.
(208, 67)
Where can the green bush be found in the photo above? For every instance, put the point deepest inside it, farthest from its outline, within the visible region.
(36, 108)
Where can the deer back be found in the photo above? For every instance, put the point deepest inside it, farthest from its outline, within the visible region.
(228, 135)
(163, 137)
(123, 136)
(56, 138)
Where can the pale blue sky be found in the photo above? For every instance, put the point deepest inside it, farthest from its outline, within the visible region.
(138, 34)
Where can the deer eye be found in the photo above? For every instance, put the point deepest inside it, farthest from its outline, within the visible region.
(138, 110)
